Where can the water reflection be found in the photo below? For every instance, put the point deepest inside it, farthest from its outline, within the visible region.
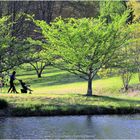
(99, 127)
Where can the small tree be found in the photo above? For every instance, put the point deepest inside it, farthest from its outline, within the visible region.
(38, 62)
(135, 49)
(126, 76)
(83, 46)
(126, 66)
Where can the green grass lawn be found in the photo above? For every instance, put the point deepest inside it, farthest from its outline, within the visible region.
(59, 92)
(55, 81)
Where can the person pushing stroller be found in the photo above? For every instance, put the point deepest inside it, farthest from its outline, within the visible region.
(25, 88)
(12, 85)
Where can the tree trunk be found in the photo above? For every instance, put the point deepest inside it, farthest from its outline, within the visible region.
(139, 74)
(126, 87)
(89, 90)
(39, 75)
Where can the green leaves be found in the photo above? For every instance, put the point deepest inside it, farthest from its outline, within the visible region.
(84, 44)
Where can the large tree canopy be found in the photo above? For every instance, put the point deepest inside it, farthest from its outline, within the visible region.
(83, 46)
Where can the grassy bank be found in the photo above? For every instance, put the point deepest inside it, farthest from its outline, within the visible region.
(60, 93)
(74, 104)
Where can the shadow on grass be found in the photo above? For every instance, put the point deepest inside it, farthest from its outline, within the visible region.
(51, 70)
(61, 106)
(79, 99)
(33, 72)
(64, 77)
(113, 99)
(27, 73)
(75, 105)
(58, 79)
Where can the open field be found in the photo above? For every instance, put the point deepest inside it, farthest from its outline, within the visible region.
(55, 81)
(60, 93)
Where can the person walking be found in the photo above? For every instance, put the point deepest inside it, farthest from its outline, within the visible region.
(12, 86)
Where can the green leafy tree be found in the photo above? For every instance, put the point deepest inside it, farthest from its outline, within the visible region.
(38, 62)
(10, 47)
(36, 57)
(5, 50)
(110, 8)
(135, 50)
(127, 60)
(126, 66)
(84, 46)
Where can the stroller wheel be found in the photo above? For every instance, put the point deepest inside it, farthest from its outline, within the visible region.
(23, 91)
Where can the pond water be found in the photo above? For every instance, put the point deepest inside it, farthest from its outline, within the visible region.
(72, 127)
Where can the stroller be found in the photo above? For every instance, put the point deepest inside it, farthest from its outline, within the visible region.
(25, 88)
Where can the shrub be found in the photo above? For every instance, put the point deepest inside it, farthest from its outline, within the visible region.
(3, 104)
